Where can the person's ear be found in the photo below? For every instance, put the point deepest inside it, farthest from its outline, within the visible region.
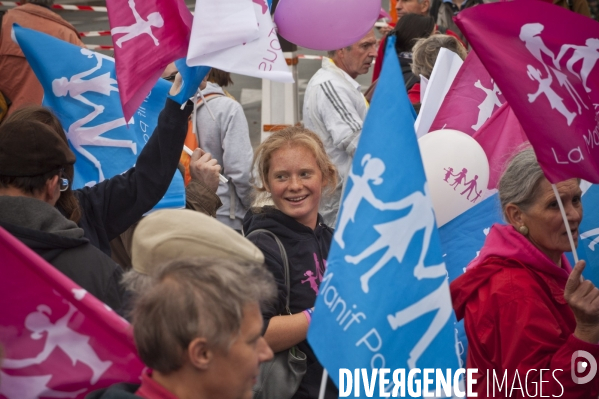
(340, 55)
(515, 216)
(199, 354)
(51, 191)
(265, 184)
(425, 7)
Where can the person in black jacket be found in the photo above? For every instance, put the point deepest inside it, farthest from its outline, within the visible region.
(407, 31)
(295, 170)
(32, 162)
(107, 209)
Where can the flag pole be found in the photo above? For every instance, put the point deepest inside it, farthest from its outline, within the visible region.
(323, 383)
(561, 208)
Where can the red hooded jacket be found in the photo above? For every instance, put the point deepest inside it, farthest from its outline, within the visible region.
(517, 320)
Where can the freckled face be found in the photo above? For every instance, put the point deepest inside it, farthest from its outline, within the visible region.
(296, 183)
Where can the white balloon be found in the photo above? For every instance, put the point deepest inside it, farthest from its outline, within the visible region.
(457, 171)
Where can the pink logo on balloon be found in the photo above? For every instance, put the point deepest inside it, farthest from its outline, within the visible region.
(461, 179)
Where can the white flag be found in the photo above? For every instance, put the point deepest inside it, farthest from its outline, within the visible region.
(261, 58)
(446, 68)
(218, 25)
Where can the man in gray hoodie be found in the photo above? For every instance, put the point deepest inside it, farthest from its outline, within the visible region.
(32, 161)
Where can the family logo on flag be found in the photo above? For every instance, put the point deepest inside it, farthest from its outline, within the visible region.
(384, 301)
(530, 34)
(59, 340)
(148, 35)
(139, 27)
(554, 90)
(80, 87)
(471, 100)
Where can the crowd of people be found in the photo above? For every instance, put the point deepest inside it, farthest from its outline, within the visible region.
(215, 290)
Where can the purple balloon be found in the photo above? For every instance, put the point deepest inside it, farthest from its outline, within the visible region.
(326, 24)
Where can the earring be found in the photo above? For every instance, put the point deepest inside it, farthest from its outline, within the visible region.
(523, 230)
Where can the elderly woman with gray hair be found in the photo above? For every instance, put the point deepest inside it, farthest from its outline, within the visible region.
(528, 314)
(424, 56)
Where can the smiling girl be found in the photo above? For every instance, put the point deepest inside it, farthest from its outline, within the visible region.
(296, 172)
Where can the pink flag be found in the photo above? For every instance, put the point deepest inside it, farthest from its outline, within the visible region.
(499, 137)
(549, 75)
(471, 100)
(147, 36)
(59, 341)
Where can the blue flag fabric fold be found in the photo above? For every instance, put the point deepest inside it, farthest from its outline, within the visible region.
(192, 77)
(588, 240)
(384, 301)
(461, 240)
(80, 87)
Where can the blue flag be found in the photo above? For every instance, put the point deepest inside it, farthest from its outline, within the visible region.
(192, 77)
(80, 87)
(384, 301)
(588, 241)
(462, 239)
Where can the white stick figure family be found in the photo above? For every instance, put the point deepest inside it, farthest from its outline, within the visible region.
(486, 107)
(460, 178)
(140, 27)
(57, 335)
(79, 132)
(587, 56)
(395, 237)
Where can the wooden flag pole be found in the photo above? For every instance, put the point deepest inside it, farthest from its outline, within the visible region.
(561, 208)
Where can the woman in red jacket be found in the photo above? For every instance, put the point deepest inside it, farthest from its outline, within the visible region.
(528, 315)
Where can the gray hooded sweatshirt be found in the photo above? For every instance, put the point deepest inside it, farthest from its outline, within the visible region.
(227, 139)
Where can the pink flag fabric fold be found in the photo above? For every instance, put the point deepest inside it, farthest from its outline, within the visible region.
(147, 36)
(59, 341)
(500, 136)
(471, 100)
(549, 75)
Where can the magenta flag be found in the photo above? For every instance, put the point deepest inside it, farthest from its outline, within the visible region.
(500, 136)
(548, 74)
(147, 36)
(59, 341)
(471, 100)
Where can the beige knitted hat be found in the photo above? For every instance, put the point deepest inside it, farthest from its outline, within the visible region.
(181, 233)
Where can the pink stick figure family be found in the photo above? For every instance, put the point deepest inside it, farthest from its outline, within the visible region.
(460, 178)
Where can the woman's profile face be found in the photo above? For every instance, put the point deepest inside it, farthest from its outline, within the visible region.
(295, 183)
(544, 220)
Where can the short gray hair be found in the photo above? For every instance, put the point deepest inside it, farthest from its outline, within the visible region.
(198, 297)
(136, 282)
(518, 184)
(425, 52)
(331, 53)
